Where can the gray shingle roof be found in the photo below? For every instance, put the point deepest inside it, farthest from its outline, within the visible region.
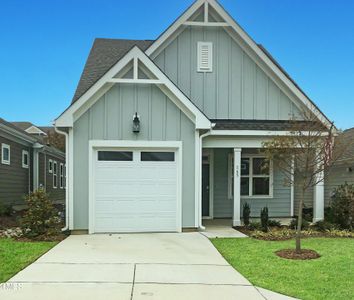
(104, 54)
(22, 125)
(236, 124)
(347, 138)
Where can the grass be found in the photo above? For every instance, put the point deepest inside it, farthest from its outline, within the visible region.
(15, 255)
(329, 277)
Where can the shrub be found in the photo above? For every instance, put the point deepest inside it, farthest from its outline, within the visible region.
(324, 226)
(5, 210)
(264, 219)
(342, 205)
(41, 218)
(305, 224)
(274, 223)
(254, 225)
(246, 214)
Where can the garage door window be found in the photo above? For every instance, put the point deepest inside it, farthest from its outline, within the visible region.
(115, 156)
(157, 156)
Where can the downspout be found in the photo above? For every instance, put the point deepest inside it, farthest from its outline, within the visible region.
(201, 227)
(66, 227)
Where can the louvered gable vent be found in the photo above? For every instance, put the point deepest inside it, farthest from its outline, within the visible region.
(205, 57)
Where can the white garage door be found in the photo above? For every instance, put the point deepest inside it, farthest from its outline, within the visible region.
(135, 191)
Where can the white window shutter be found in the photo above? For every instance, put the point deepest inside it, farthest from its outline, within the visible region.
(205, 57)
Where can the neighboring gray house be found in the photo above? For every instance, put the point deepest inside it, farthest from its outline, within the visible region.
(26, 163)
(164, 133)
(344, 170)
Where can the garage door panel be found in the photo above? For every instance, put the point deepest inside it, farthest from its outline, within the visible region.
(135, 196)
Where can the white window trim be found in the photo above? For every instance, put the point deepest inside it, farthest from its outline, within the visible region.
(251, 176)
(61, 175)
(50, 166)
(5, 161)
(55, 175)
(25, 152)
(210, 57)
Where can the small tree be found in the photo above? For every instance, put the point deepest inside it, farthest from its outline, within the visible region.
(306, 153)
(246, 214)
(264, 219)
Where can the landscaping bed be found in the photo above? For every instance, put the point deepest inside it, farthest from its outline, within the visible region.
(328, 277)
(285, 233)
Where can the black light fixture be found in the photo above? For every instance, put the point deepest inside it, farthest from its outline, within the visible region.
(136, 123)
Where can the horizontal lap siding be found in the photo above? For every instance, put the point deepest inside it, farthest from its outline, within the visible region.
(110, 118)
(14, 180)
(46, 178)
(278, 205)
(236, 89)
(337, 176)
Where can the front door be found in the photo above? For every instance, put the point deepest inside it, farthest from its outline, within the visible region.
(205, 191)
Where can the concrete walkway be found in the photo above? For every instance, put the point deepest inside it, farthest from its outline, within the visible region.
(131, 266)
(220, 228)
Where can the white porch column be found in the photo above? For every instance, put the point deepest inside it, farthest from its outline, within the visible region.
(318, 199)
(236, 221)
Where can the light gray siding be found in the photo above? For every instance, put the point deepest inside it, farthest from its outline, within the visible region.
(236, 89)
(110, 118)
(278, 205)
(337, 176)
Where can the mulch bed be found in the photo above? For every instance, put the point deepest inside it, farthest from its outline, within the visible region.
(9, 221)
(304, 254)
(43, 238)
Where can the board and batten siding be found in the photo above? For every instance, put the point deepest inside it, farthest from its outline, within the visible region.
(237, 88)
(111, 117)
(278, 205)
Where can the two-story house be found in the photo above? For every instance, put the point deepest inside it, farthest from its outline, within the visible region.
(163, 133)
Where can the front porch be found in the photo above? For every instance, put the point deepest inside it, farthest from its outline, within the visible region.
(233, 176)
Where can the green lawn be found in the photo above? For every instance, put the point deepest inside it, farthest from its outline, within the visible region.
(14, 255)
(329, 277)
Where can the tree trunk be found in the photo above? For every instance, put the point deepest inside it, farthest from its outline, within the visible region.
(299, 222)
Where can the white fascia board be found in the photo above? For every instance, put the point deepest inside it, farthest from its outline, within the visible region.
(155, 47)
(104, 84)
(179, 22)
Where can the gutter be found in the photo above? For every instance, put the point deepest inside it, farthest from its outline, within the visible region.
(66, 227)
(200, 154)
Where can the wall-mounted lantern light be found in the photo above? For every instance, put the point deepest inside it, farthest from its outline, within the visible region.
(136, 123)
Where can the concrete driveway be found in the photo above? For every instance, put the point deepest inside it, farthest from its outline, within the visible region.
(131, 266)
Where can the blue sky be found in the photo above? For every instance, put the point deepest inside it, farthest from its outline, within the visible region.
(44, 45)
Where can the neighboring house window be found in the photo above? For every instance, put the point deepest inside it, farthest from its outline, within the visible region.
(64, 176)
(61, 172)
(5, 154)
(25, 159)
(256, 177)
(205, 56)
(55, 175)
(50, 166)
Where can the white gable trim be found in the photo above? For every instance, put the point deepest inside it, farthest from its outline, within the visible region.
(252, 48)
(35, 130)
(107, 81)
